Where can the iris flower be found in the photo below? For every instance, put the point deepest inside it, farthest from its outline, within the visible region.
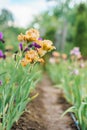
(75, 51)
(2, 55)
(1, 37)
(34, 44)
(0, 82)
(21, 46)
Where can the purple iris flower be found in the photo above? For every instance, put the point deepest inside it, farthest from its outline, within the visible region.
(76, 72)
(34, 44)
(0, 82)
(1, 54)
(40, 38)
(31, 45)
(26, 49)
(75, 51)
(1, 37)
(21, 46)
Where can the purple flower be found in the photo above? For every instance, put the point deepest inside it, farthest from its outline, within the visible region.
(34, 45)
(21, 46)
(40, 38)
(1, 37)
(26, 49)
(31, 45)
(82, 65)
(0, 82)
(75, 51)
(1, 54)
(76, 72)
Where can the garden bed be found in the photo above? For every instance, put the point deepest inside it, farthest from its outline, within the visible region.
(33, 118)
(44, 112)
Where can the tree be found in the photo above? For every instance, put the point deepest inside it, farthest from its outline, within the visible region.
(81, 29)
(67, 15)
(5, 17)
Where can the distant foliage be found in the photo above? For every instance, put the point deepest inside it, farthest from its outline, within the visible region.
(5, 17)
(81, 29)
(10, 32)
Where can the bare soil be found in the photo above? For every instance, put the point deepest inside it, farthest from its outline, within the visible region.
(44, 112)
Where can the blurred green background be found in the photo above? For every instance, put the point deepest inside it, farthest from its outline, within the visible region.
(65, 23)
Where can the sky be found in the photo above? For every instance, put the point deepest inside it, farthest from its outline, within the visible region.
(24, 10)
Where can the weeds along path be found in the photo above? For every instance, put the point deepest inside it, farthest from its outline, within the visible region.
(44, 112)
(54, 105)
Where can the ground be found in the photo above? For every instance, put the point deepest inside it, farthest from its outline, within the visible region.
(44, 112)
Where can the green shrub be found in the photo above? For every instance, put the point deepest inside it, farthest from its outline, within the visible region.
(81, 29)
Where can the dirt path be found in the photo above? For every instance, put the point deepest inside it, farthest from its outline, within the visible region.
(53, 105)
(44, 112)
